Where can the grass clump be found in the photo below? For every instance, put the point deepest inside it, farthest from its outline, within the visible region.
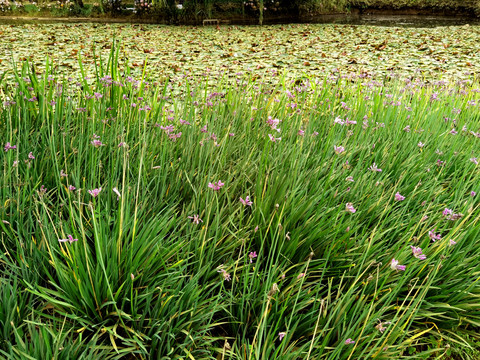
(318, 218)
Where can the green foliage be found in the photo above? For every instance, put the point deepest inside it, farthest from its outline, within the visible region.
(142, 279)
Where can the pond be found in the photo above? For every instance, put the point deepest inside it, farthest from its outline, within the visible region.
(370, 46)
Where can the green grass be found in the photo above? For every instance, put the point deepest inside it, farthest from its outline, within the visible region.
(144, 281)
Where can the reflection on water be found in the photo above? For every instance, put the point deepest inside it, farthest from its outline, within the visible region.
(343, 19)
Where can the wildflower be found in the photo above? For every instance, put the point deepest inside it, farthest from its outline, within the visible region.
(246, 202)
(195, 219)
(349, 178)
(417, 252)
(406, 128)
(301, 275)
(394, 265)
(434, 236)
(43, 190)
(256, 228)
(474, 160)
(252, 256)
(451, 242)
(338, 149)
(216, 186)
(380, 327)
(421, 145)
(447, 213)
(98, 96)
(69, 239)
(274, 139)
(204, 129)
(184, 122)
(281, 335)
(71, 188)
(115, 190)
(95, 192)
(453, 132)
(226, 275)
(315, 133)
(473, 193)
(399, 197)
(132, 277)
(30, 156)
(349, 341)
(231, 134)
(63, 174)
(374, 168)
(9, 147)
(301, 132)
(425, 217)
(273, 290)
(97, 143)
(122, 144)
(349, 208)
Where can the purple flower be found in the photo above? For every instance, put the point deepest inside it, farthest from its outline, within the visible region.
(95, 192)
(338, 149)
(71, 188)
(97, 95)
(226, 275)
(473, 193)
(434, 236)
(421, 145)
(301, 132)
(281, 335)
(394, 266)
(30, 155)
(69, 239)
(315, 133)
(231, 134)
(63, 174)
(9, 147)
(349, 208)
(451, 242)
(349, 341)
(474, 160)
(274, 139)
(374, 168)
(447, 212)
(399, 197)
(252, 256)
(195, 219)
(417, 252)
(204, 129)
(184, 122)
(216, 186)
(97, 143)
(246, 202)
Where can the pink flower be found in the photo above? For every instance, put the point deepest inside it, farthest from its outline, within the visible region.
(374, 168)
(473, 193)
(434, 236)
(421, 145)
(417, 252)
(204, 129)
(301, 132)
(246, 202)
(349, 341)
(252, 256)
(95, 192)
(69, 239)
(216, 186)
(9, 147)
(63, 174)
(281, 335)
(195, 219)
(394, 266)
(30, 155)
(451, 242)
(274, 139)
(399, 197)
(256, 228)
(349, 208)
(226, 275)
(474, 160)
(338, 149)
(71, 188)
(349, 178)
(97, 143)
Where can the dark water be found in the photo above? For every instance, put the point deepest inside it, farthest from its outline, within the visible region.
(364, 19)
